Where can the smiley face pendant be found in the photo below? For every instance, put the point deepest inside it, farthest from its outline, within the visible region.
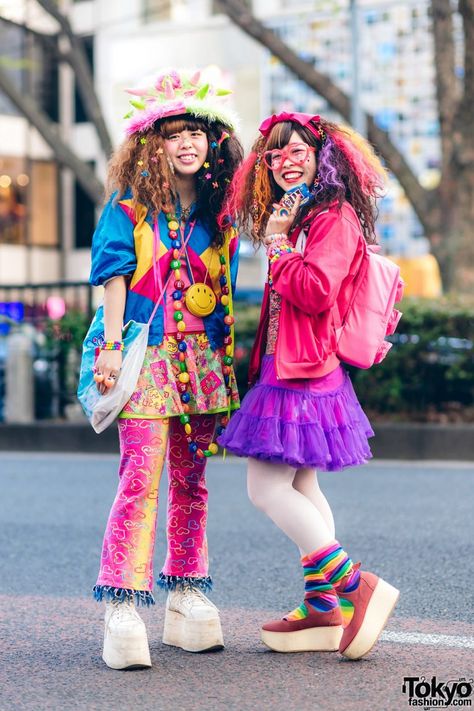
(200, 300)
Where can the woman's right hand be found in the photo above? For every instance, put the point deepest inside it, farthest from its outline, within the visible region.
(107, 369)
(281, 224)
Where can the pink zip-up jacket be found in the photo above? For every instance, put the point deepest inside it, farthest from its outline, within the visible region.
(311, 284)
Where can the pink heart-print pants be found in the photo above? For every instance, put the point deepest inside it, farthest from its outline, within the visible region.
(127, 552)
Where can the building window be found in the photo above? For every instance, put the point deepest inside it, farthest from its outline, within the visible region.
(13, 192)
(84, 217)
(28, 202)
(80, 112)
(12, 42)
(43, 204)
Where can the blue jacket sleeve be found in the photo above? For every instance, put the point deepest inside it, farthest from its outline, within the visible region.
(113, 246)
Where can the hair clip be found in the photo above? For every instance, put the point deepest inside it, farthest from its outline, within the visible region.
(223, 137)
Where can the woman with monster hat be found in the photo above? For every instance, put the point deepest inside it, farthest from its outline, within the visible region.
(158, 240)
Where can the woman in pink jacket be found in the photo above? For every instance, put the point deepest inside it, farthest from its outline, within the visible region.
(302, 414)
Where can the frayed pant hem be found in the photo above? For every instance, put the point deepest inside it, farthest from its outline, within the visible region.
(172, 582)
(113, 594)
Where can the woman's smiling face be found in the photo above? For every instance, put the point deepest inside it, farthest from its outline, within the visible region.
(290, 174)
(187, 150)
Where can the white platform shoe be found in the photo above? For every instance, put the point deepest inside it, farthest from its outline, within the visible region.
(192, 621)
(125, 637)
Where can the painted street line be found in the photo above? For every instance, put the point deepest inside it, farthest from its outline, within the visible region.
(432, 640)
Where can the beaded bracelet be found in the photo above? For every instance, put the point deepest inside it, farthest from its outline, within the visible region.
(112, 346)
(275, 253)
(276, 235)
(279, 240)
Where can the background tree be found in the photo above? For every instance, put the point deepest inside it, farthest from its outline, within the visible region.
(445, 212)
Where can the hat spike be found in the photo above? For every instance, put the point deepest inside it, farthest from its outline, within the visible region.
(195, 78)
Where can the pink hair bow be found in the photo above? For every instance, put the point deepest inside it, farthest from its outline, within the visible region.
(303, 119)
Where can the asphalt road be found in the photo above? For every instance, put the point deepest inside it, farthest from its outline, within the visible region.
(410, 523)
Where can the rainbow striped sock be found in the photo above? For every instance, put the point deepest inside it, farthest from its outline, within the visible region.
(319, 592)
(337, 567)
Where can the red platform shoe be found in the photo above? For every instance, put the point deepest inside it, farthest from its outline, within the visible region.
(373, 601)
(318, 632)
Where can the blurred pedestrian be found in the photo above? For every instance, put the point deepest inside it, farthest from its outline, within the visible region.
(308, 191)
(158, 239)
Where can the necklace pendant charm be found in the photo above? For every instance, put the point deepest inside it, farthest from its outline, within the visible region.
(200, 300)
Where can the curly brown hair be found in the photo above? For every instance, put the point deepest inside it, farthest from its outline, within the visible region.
(347, 170)
(140, 165)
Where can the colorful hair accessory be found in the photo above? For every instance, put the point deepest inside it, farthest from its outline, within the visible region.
(215, 185)
(145, 173)
(143, 140)
(208, 176)
(112, 346)
(305, 120)
(224, 136)
(177, 92)
(205, 165)
(214, 144)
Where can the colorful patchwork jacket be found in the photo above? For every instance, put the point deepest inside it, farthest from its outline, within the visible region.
(123, 245)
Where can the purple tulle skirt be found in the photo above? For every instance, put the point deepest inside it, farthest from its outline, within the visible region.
(315, 423)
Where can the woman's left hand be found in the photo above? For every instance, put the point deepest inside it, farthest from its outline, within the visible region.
(281, 224)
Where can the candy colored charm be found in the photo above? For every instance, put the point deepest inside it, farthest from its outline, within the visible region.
(200, 301)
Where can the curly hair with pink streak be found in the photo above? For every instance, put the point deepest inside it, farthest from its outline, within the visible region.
(347, 170)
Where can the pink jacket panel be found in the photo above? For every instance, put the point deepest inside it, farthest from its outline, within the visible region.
(311, 285)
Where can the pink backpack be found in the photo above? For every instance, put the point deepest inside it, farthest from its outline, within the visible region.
(370, 315)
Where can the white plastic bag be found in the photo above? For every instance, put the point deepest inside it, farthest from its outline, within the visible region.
(111, 404)
(102, 410)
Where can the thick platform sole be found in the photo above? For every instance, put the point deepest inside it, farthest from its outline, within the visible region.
(192, 635)
(313, 639)
(378, 611)
(124, 653)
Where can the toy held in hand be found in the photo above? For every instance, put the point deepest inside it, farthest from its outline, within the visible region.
(290, 197)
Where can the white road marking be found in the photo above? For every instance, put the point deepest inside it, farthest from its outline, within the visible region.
(432, 640)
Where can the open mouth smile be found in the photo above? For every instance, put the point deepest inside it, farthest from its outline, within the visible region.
(187, 157)
(291, 175)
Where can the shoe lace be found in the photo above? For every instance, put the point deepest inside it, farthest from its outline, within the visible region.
(193, 596)
(124, 610)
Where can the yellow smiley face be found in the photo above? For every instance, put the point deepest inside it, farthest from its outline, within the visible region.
(200, 300)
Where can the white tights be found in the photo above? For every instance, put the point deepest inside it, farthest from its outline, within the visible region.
(293, 500)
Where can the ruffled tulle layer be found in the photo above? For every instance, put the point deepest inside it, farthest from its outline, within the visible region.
(325, 430)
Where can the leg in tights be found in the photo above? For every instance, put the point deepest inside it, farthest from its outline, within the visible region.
(127, 552)
(271, 489)
(187, 500)
(306, 482)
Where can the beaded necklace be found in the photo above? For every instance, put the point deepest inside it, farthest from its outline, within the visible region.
(183, 378)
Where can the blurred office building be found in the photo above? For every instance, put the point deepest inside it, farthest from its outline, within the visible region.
(47, 220)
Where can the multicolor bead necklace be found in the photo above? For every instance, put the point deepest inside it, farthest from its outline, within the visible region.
(184, 380)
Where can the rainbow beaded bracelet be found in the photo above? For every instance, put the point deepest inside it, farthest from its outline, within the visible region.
(274, 253)
(112, 346)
